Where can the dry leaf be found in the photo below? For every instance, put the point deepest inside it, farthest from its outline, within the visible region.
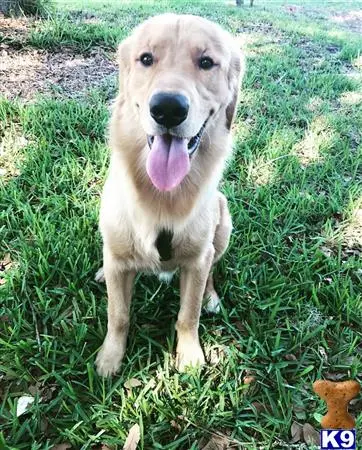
(215, 354)
(323, 353)
(299, 411)
(34, 389)
(249, 379)
(217, 443)
(260, 407)
(133, 438)
(175, 425)
(5, 263)
(102, 447)
(47, 393)
(327, 252)
(64, 446)
(23, 403)
(334, 376)
(131, 383)
(150, 385)
(311, 436)
(296, 432)
(290, 357)
(239, 325)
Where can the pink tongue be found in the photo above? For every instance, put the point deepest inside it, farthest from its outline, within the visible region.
(168, 162)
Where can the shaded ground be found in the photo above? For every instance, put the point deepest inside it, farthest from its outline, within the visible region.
(351, 20)
(14, 28)
(28, 72)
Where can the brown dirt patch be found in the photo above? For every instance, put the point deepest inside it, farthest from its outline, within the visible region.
(14, 29)
(27, 72)
(352, 20)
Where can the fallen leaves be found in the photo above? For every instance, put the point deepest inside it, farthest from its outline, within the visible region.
(131, 383)
(296, 432)
(335, 376)
(216, 443)
(102, 447)
(64, 446)
(5, 263)
(215, 354)
(310, 434)
(133, 438)
(175, 425)
(249, 379)
(259, 407)
(304, 433)
(41, 391)
(45, 392)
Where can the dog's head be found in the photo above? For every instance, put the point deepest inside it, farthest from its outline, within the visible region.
(180, 75)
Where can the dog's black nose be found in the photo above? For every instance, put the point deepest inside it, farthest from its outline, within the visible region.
(169, 109)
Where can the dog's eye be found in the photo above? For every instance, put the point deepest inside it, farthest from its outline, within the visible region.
(206, 63)
(146, 59)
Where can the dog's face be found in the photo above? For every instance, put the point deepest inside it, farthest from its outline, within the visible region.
(180, 74)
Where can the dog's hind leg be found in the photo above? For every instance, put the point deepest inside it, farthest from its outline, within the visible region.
(211, 302)
(220, 243)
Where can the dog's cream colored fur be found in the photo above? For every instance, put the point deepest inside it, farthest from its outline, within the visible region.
(133, 211)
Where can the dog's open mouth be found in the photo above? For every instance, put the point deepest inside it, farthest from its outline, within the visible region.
(168, 162)
(193, 143)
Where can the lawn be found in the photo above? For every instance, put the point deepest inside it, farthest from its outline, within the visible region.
(291, 281)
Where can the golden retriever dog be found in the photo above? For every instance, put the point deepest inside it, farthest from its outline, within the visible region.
(170, 137)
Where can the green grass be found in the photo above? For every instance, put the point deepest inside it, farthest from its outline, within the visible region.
(291, 281)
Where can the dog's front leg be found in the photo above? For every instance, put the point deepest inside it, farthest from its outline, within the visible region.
(119, 289)
(192, 284)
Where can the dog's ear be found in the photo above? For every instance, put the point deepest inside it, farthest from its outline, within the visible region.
(236, 71)
(124, 64)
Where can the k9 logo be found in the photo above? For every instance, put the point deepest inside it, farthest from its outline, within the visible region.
(338, 439)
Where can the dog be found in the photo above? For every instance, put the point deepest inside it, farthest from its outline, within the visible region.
(170, 139)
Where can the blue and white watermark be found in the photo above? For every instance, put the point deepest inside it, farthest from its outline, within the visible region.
(338, 439)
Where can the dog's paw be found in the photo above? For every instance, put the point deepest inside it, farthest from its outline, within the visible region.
(212, 303)
(99, 276)
(109, 358)
(189, 354)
